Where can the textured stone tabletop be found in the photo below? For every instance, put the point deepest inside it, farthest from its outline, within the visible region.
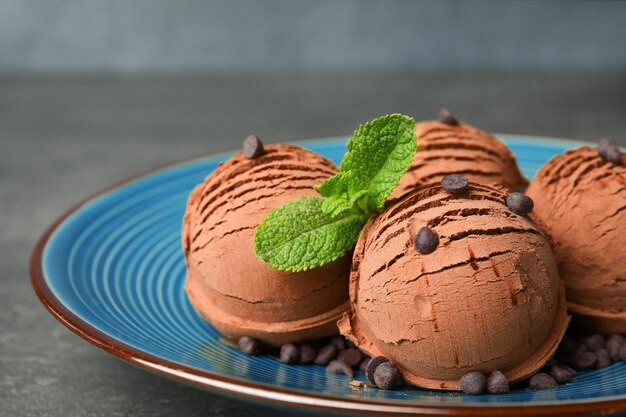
(63, 139)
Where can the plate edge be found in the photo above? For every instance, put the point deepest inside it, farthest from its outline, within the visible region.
(258, 391)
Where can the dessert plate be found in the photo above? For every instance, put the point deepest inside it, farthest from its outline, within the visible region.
(112, 270)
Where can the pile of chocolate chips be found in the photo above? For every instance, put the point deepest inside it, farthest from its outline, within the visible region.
(591, 351)
(574, 354)
(337, 354)
(340, 356)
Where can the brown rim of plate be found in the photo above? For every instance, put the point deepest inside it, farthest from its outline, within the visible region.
(266, 393)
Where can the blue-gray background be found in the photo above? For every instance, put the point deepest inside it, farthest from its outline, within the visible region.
(130, 36)
(94, 91)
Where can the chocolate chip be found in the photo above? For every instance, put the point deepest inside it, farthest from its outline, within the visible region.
(338, 341)
(593, 342)
(604, 359)
(250, 345)
(350, 344)
(574, 356)
(454, 184)
(387, 376)
(542, 381)
(584, 361)
(339, 367)
(289, 353)
(446, 118)
(473, 383)
(613, 345)
(252, 147)
(371, 368)
(614, 155)
(426, 241)
(497, 383)
(622, 353)
(364, 363)
(609, 151)
(562, 373)
(325, 355)
(351, 357)
(307, 353)
(519, 203)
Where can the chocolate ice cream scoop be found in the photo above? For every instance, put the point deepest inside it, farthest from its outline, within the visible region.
(231, 288)
(445, 149)
(581, 198)
(488, 297)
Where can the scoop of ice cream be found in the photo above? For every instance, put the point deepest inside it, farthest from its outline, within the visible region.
(581, 198)
(488, 297)
(231, 288)
(460, 149)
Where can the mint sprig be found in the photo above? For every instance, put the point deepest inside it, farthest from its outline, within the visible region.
(313, 231)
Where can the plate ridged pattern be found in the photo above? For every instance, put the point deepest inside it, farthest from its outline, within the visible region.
(117, 264)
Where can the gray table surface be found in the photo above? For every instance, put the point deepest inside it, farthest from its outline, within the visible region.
(63, 139)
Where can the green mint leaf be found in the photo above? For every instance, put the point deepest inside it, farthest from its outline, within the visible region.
(299, 235)
(378, 155)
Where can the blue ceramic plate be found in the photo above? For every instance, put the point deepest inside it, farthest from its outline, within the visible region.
(112, 270)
